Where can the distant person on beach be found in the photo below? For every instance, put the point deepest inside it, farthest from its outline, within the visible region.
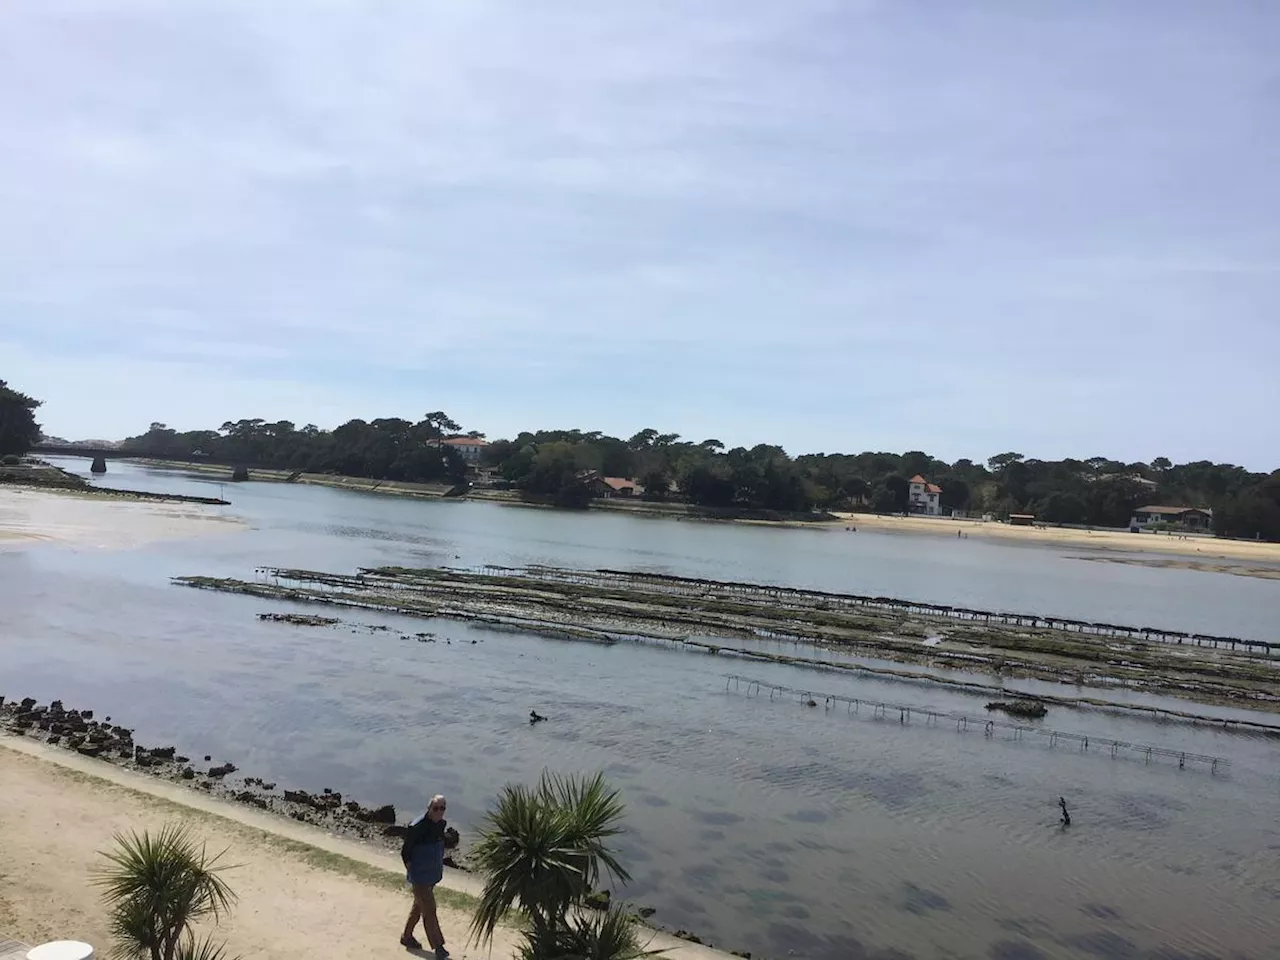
(423, 856)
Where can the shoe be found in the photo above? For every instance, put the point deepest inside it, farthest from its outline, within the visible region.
(442, 953)
(410, 943)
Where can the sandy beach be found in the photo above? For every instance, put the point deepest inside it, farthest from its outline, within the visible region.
(301, 891)
(87, 521)
(1193, 547)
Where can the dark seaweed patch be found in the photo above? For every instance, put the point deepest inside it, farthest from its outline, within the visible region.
(918, 900)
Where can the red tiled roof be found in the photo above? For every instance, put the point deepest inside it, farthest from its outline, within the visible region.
(619, 483)
(932, 488)
(465, 441)
(918, 479)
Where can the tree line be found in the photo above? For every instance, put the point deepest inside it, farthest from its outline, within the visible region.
(18, 428)
(1098, 491)
(551, 464)
(382, 449)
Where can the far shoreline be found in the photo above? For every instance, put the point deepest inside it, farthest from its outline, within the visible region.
(1101, 540)
(1105, 541)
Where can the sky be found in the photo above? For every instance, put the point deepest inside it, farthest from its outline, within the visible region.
(962, 226)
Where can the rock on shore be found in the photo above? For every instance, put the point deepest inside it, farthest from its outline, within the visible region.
(77, 730)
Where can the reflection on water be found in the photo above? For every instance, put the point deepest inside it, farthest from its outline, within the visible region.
(762, 825)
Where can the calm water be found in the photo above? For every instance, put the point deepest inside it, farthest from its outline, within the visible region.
(763, 826)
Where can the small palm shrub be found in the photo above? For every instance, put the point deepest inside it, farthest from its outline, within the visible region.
(157, 888)
(603, 936)
(542, 850)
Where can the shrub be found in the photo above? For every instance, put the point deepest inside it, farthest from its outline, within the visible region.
(542, 851)
(156, 889)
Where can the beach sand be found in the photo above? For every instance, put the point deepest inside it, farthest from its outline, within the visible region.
(1193, 547)
(89, 521)
(302, 892)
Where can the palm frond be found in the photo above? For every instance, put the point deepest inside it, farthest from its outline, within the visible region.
(612, 935)
(157, 886)
(542, 849)
(206, 949)
(133, 931)
(593, 812)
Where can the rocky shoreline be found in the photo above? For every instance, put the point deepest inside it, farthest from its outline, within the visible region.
(79, 730)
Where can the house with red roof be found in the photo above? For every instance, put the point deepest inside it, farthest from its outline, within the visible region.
(923, 497)
(610, 487)
(469, 448)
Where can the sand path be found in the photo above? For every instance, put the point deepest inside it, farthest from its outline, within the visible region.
(301, 892)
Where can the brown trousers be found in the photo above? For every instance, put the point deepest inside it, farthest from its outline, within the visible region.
(424, 909)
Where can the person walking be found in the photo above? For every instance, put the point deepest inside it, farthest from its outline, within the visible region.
(423, 856)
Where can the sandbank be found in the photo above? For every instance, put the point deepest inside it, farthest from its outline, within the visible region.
(1121, 541)
(302, 892)
(84, 520)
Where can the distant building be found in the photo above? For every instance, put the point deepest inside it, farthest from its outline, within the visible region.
(610, 487)
(1022, 519)
(469, 448)
(922, 497)
(1191, 519)
(616, 487)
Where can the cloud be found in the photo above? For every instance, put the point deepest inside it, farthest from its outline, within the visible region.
(830, 225)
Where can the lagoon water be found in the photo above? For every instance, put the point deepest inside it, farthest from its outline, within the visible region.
(761, 825)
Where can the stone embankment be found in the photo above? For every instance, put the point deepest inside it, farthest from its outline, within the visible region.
(81, 731)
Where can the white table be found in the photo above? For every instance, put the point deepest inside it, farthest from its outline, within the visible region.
(61, 950)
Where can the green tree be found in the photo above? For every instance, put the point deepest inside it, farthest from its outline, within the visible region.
(898, 485)
(19, 431)
(955, 493)
(891, 495)
(1013, 479)
(157, 889)
(656, 484)
(1061, 507)
(916, 461)
(1002, 460)
(708, 485)
(643, 439)
(554, 472)
(439, 422)
(542, 851)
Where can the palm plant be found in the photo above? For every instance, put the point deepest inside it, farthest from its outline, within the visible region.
(542, 850)
(157, 888)
(603, 936)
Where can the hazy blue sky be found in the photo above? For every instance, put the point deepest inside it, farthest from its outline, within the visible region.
(964, 227)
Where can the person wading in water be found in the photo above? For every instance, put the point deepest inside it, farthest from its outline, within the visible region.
(423, 856)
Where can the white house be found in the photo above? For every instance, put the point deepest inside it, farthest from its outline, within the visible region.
(1179, 518)
(469, 448)
(922, 497)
